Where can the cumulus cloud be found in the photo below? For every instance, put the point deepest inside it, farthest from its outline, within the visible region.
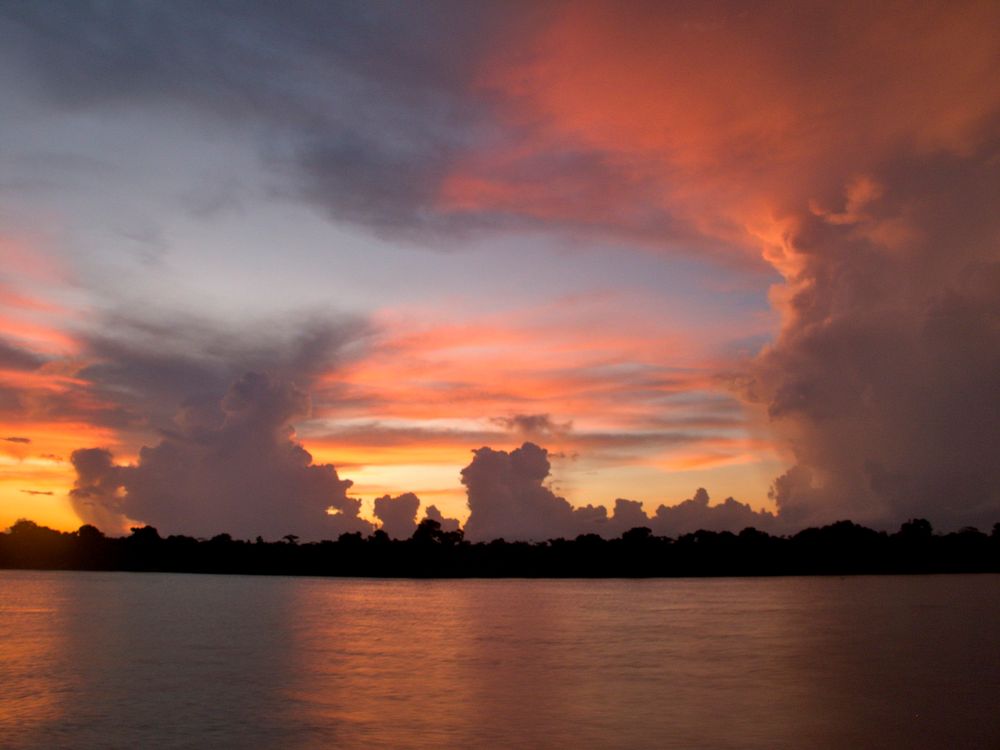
(398, 515)
(97, 493)
(884, 380)
(234, 467)
(447, 524)
(508, 499)
(627, 514)
(696, 513)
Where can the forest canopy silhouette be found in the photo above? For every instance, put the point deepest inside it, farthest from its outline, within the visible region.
(842, 548)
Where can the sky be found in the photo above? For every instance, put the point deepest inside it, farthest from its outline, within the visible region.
(536, 268)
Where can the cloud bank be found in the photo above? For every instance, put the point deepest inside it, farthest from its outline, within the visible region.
(508, 499)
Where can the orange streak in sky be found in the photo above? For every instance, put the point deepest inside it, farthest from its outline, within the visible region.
(13, 299)
(38, 337)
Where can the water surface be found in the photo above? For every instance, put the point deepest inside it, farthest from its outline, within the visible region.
(175, 661)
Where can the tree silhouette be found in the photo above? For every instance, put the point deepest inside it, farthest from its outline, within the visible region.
(916, 528)
(840, 548)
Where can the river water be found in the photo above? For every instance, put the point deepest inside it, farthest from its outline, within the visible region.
(109, 660)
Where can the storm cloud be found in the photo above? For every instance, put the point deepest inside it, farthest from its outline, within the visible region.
(885, 378)
(233, 467)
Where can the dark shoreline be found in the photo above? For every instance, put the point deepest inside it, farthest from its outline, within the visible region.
(840, 549)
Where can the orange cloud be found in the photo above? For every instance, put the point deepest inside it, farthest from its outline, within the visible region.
(713, 452)
(38, 337)
(725, 118)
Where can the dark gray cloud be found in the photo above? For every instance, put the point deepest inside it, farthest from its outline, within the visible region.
(13, 357)
(508, 499)
(23, 440)
(362, 110)
(361, 106)
(149, 369)
(137, 371)
(96, 492)
(233, 467)
(885, 378)
(627, 514)
(398, 515)
(696, 513)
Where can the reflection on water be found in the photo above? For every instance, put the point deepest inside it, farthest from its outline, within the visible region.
(148, 660)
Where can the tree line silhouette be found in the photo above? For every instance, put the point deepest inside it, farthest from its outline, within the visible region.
(842, 548)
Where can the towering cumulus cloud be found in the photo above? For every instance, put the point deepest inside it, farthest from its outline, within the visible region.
(234, 467)
(398, 514)
(507, 498)
(886, 377)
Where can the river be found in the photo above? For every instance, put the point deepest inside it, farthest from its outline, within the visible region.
(109, 660)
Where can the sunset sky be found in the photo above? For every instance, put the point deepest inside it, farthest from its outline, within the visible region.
(753, 248)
